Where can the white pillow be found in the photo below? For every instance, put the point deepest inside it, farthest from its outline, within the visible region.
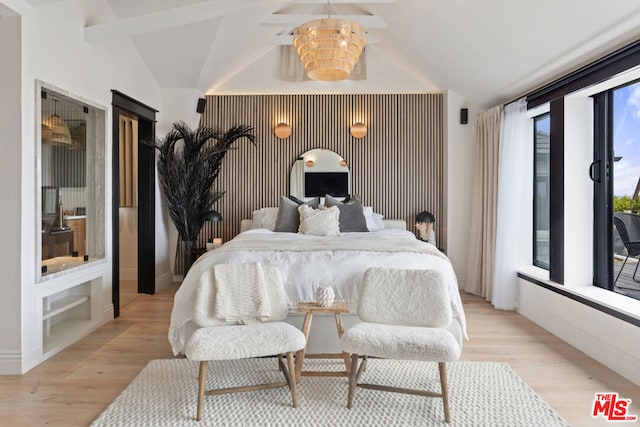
(319, 222)
(378, 222)
(374, 220)
(264, 218)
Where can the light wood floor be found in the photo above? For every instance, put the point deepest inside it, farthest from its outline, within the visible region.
(128, 292)
(73, 387)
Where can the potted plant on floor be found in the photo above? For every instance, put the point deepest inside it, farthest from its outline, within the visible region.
(189, 162)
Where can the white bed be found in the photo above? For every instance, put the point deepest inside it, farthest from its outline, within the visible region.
(307, 262)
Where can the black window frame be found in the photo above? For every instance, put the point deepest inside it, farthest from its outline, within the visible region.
(553, 93)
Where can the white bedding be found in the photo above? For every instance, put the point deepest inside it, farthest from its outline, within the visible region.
(307, 262)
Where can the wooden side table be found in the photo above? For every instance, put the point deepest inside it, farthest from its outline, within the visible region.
(311, 308)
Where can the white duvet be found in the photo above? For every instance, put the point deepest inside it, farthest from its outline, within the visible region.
(307, 262)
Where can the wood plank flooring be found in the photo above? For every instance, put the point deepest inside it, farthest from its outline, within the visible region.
(74, 386)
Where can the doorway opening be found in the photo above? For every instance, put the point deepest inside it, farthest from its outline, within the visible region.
(133, 201)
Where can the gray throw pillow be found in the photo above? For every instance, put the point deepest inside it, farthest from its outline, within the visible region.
(288, 220)
(352, 198)
(351, 213)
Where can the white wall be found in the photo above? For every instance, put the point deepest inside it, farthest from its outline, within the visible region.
(578, 190)
(10, 172)
(460, 143)
(611, 341)
(263, 76)
(54, 51)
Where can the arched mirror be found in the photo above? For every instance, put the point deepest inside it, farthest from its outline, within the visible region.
(318, 172)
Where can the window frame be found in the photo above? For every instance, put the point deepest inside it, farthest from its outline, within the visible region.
(96, 228)
(605, 68)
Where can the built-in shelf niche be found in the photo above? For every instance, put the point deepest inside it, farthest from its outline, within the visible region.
(69, 313)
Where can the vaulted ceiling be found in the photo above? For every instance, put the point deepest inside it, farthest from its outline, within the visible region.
(488, 51)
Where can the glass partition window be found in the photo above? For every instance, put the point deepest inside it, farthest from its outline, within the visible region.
(541, 192)
(71, 182)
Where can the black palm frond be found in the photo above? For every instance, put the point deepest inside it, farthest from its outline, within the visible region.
(189, 162)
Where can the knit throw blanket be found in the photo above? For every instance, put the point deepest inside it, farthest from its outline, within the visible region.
(240, 294)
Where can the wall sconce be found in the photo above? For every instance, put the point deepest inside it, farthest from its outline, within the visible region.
(358, 130)
(282, 130)
(310, 163)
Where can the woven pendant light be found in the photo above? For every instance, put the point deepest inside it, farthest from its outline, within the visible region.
(55, 130)
(329, 48)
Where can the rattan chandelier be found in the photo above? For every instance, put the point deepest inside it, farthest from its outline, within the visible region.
(329, 48)
(55, 130)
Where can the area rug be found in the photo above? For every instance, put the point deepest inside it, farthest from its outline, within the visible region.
(480, 393)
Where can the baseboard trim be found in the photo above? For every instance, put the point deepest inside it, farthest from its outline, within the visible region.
(108, 313)
(10, 363)
(164, 281)
(31, 359)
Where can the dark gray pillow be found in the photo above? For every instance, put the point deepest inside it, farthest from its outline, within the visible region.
(352, 198)
(298, 201)
(351, 213)
(288, 220)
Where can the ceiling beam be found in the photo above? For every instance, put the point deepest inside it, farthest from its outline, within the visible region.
(169, 18)
(283, 19)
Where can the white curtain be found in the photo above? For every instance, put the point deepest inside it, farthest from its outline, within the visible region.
(515, 204)
(482, 238)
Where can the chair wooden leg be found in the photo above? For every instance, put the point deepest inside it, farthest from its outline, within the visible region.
(292, 378)
(352, 379)
(202, 377)
(442, 367)
(280, 362)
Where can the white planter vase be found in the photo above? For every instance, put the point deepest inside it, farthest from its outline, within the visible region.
(325, 296)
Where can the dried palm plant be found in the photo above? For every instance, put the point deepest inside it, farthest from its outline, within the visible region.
(188, 166)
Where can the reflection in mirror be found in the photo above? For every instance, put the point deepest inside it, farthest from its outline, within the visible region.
(318, 172)
(49, 207)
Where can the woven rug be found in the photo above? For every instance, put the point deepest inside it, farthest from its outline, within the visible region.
(480, 394)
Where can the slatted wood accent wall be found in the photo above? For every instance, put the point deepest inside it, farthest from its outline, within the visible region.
(398, 167)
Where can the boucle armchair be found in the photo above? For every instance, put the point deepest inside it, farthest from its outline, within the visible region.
(405, 314)
(217, 340)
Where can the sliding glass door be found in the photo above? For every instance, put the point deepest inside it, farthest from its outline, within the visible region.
(616, 176)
